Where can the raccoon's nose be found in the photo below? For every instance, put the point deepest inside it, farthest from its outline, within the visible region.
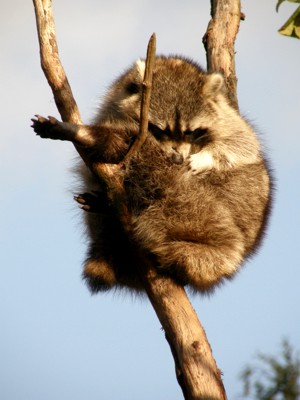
(177, 158)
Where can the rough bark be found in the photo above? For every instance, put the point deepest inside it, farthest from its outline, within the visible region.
(196, 369)
(219, 42)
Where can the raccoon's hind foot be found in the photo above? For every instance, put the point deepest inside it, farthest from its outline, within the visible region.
(99, 275)
(90, 202)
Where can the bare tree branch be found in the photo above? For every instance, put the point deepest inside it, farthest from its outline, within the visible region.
(145, 103)
(196, 370)
(51, 64)
(219, 42)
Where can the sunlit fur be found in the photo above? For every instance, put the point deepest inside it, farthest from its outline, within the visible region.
(199, 189)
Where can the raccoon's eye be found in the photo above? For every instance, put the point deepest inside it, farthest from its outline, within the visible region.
(188, 134)
(197, 135)
(132, 88)
(157, 132)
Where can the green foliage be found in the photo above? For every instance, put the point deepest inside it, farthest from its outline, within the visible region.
(273, 378)
(292, 26)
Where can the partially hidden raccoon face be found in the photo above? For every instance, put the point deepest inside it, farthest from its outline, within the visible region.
(181, 112)
(180, 143)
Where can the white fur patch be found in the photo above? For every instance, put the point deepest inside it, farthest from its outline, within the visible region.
(233, 159)
(200, 122)
(130, 100)
(201, 161)
(213, 85)
(184, 149)
(141, 66)
(131, 105)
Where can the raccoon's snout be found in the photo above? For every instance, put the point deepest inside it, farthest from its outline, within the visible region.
(177, 158)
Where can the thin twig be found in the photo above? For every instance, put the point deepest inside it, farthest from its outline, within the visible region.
(145, 103)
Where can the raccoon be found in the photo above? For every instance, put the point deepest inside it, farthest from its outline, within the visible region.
(199, 189)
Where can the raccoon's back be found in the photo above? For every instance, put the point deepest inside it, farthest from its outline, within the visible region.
(247, 193)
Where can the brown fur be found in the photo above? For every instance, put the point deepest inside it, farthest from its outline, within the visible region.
(199, 189)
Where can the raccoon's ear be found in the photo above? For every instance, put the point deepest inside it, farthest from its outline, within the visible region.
(141, 66)
(213, 85)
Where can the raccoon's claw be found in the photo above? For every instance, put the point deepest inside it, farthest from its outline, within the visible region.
(51, 128)
(89, 202)
(82, 201)
(46, 128)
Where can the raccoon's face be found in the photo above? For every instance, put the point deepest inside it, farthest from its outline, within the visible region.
(181, 110)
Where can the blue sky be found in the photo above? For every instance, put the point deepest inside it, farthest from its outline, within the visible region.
(56, 340)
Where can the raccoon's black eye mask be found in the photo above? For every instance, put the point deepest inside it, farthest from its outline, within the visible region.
(159, 133)
(196, 136)
(133, 88)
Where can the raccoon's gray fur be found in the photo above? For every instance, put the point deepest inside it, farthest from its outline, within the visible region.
(199, 189)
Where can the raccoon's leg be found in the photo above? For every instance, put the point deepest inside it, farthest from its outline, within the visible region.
(99, 268)
(200, 265)
(51, 128)
(110, 262)
(106, 143)
(198, 250)
(99, 275)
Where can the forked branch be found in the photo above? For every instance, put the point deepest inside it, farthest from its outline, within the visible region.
(197, 372)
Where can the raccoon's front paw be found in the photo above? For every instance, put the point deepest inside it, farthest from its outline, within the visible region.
(46, 128)
(200, 162)
(90, 202)
(51, 128)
